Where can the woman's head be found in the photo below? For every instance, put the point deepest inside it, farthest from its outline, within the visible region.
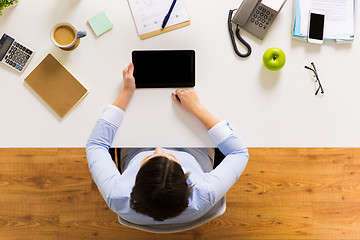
(160, 190)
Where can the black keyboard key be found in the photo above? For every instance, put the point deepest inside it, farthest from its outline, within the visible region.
(28, 51)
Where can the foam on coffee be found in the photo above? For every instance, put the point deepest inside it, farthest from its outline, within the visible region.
(64, 35)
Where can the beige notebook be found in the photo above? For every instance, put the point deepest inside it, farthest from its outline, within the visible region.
(55, 85)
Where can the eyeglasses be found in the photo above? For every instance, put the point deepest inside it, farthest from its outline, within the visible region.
(317, 78)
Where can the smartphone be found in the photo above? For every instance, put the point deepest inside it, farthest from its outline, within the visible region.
(316, 26)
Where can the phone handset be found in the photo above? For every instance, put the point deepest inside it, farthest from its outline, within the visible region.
(241, 17)
(238, 36)
(244, 12)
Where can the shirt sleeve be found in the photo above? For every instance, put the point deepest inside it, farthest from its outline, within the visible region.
(102, 167)
(229, 170)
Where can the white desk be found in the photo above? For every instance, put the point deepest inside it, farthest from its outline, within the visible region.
(267, 109)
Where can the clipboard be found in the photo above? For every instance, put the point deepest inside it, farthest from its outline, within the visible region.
(166, 29)
(150, 14)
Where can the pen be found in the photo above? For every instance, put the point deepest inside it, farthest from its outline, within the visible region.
(166, 19)
(177, 97)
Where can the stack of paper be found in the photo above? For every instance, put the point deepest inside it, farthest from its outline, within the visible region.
(339, 18)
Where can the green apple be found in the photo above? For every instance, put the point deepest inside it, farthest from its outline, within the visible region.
(274, 59)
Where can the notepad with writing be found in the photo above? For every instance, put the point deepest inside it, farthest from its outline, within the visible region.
(56, 85)
(149, 14)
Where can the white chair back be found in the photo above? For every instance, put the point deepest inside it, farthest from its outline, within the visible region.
(217, 210)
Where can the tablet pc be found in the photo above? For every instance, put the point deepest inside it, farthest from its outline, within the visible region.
(164, 68)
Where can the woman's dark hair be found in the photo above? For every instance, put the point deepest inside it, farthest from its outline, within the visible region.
(160, 190)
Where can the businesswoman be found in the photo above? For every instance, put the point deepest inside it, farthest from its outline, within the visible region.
(163, 185)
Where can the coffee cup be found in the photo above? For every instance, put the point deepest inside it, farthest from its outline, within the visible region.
(64, 35)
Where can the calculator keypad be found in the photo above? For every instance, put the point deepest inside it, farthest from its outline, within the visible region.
(18, 56)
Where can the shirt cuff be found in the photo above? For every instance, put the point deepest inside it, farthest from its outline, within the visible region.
(113, 115)
(220, 132)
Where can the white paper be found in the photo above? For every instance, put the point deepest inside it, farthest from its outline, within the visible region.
(339, 17)
(273, 4)
(149, 14)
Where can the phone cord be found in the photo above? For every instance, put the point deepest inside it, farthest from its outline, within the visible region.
(238, 36)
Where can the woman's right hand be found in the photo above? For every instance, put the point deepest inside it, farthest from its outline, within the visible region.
(187, 100)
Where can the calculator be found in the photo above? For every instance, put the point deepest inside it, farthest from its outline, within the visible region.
(14, 54)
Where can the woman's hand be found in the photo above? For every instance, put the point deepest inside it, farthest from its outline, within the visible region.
(129, 80)
(126, 94)
(188, 100)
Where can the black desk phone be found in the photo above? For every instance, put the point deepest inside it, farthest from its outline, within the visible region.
(254, 16)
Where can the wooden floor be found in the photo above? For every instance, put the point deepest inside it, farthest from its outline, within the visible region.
(283, 194)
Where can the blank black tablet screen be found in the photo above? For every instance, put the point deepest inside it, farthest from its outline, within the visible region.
(164, 68)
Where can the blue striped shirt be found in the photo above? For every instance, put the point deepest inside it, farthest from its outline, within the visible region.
(209, 186)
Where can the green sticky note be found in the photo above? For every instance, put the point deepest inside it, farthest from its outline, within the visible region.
(100, 24)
